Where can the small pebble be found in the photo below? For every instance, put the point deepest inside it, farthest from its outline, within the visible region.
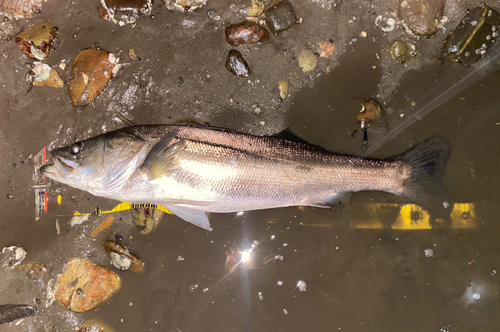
(307, 61)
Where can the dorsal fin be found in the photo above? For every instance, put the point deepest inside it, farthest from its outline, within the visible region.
(289, 136)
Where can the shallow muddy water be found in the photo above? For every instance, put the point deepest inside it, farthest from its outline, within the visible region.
(379, 266)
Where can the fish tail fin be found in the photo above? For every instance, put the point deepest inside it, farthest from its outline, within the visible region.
(425, 186)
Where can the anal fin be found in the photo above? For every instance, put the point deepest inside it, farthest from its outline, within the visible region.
(198, 218)
(338, 201)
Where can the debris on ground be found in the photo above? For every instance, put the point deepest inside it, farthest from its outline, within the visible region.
(421, 17)
(326, 49)
(146, 218)
(385, 23)
(280, 17)
(43, 75)
(247, 32)
(19, 9)
(95, 326)
(84, 285)
(283, 87)
(92, 69)
(473, 36)
(184, 5)
(78, 220)
(257, 8)
(12, 312)
(236, 64)
(307, 61)
(103, 226)
(122, 258)
(51, 295)
(402, 50)
(123, 12)
(132, 55)
(7, 30)
(13, 256)
(370, 112)
(212, 13)
(37, 42)
(33, 270)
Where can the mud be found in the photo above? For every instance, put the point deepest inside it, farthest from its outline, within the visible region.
(352, 279)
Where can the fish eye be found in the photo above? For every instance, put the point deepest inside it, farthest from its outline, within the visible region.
(76, 148)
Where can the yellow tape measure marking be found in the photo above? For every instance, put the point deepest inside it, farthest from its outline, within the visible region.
(123, 207)
(413, 217)
(394, 216)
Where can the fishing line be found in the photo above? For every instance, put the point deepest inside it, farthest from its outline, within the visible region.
(479, 71)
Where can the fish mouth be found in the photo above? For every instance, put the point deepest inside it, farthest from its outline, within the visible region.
(69, 165)
(59, 167)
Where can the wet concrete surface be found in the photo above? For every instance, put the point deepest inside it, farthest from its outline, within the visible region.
(353, 279)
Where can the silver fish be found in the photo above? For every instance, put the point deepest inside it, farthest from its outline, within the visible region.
(194, 170)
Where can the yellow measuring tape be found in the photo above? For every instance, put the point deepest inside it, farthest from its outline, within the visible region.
(379, 216)
(123, 207)
(413, 217)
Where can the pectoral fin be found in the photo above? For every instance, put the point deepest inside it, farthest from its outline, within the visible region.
(198, 218)
(161, 160)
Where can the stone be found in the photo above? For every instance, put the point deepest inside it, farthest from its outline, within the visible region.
(283, 88)
(280, 17)
(370, 112)
(307, 61)
(91, 71)
(84, 285)
(236, 64)
(146, 218)
(37, 41)
(46, 76)
(247, 32)
(402, 50)
(422, 17)
(122, 258)
(473, 36)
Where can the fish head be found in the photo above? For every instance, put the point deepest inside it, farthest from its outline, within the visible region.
(99, 165)
(78, 165)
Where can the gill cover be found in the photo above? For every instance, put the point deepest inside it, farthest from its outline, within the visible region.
(123, 153)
